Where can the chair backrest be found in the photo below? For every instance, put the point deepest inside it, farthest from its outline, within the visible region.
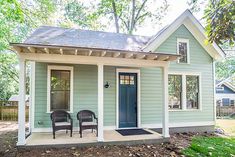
(60, 116)
(85, 116)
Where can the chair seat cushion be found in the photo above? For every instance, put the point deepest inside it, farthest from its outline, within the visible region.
(88, 123)
(62, 124)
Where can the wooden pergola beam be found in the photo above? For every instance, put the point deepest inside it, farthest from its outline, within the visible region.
(47, 50)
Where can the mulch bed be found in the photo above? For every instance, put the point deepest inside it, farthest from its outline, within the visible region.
(177, 142)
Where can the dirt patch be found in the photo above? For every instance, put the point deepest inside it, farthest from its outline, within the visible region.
(173, 148)
(8, 144)
(177, 142)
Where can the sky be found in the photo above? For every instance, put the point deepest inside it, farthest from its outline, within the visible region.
(176, 7)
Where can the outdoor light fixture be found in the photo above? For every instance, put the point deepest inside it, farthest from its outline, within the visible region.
(107, 85)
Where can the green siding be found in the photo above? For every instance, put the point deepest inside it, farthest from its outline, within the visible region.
(151, 95)
(110, 96)
(200, 61)
(151, 84)
(85, 92)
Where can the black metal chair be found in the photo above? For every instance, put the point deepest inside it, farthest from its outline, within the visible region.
(87, 120)
(61, 120)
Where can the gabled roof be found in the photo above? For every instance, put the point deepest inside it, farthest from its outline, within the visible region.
(194, 26)
(227, 82)
(47, 35)
(229, 85)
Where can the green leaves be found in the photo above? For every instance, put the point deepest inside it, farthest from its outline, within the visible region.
(225, 68)
(220, 21)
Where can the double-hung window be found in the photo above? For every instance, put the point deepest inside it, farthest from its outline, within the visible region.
(60, 88)
(175, 91)
(183, 50)
(183, 91)
(192, 91)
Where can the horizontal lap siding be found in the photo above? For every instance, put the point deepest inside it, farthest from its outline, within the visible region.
(85, 92)
(151, 95)
(200, 61)
(110, 96)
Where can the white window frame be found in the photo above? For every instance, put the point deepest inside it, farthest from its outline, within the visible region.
(184, 99)
(188, 54)
(181, 98)
(59, 67)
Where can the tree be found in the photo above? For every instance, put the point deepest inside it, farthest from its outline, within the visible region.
(128, 15)
(220, 20)
(17, 20)
(225, 68)
(8, 74)
(84, 17)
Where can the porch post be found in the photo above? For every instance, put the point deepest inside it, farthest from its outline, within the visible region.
(165, 121)
(31, 96)
(21, 105)
(100, 102)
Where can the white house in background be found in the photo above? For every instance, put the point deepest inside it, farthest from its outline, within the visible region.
(16, 98)
(225, 93)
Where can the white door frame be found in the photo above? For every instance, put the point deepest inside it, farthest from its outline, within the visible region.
(122, 70)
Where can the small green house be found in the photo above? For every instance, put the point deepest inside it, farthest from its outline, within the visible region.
(165, 81)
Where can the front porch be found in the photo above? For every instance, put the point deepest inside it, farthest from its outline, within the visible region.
(99, 59)
(110, 137)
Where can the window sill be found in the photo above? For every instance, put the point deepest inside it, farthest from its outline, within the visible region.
(183, 63)
(185, 110)
(49, 112)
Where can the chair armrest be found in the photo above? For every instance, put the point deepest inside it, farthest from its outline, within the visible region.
(71, 121)
(53, 122)
(96, 119)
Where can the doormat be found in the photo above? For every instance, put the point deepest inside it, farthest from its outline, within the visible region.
(129, 132)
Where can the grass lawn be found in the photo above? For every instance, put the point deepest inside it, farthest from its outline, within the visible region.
(211, 146)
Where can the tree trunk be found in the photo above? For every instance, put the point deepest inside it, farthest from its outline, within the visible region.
(115, 16)
(132, 22)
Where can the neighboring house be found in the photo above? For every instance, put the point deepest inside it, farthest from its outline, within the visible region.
(15, 98)
(163, 81)
(225, 93)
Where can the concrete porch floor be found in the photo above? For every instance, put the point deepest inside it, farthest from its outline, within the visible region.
(110, 137)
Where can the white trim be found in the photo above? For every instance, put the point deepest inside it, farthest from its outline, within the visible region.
(32, 95)
(100, 103)
(153, 125)
(21, 106)
(59, 67)
(188, 51)
(194, 26)
(122, 70)
(91, 60)
(214, 90)
(180, 124)
(165, 121)
(184, 101)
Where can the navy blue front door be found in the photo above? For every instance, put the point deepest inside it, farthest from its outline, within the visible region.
(127, 100)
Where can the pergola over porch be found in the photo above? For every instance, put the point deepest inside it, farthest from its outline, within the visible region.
(91, 56)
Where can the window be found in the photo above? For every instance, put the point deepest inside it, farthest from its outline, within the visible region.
(225, 101)
(232, 102)
(175, 91)
(127, 80)
(184, 91)
(183, 50)
(60, 88)
(192, 92)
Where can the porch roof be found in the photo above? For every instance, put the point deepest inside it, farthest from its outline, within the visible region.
(91, 51)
